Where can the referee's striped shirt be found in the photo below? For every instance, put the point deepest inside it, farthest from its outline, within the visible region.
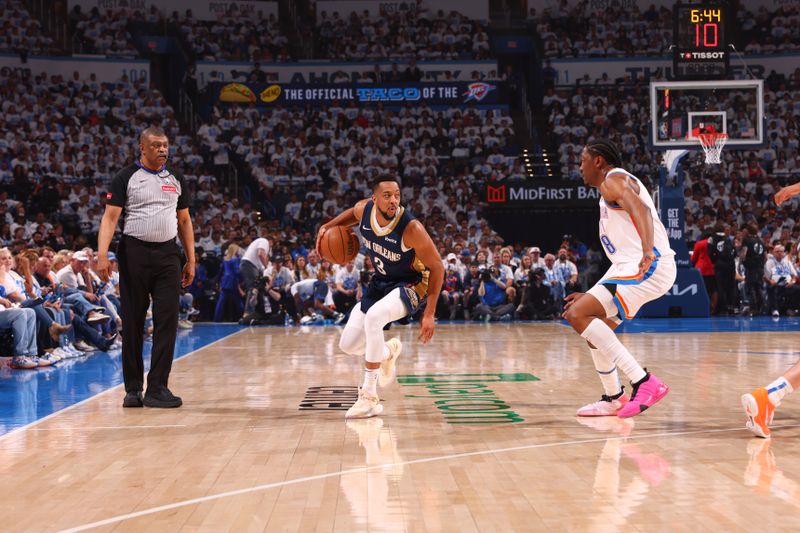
(150, 200)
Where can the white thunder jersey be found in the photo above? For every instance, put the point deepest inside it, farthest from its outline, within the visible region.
(620, 236)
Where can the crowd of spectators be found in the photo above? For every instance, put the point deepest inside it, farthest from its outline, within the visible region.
(292, 153)
(401, 35)
(61, 141)
(55, 306)
(236, 36)
(102, 32)
(579, 29)
(767, 31)
(20, 33)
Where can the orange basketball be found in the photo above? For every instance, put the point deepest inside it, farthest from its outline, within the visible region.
(339, 245)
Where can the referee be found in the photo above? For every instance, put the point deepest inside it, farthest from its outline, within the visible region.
(155, 201)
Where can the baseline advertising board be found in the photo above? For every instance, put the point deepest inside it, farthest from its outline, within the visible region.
(324, 72)
(266, 94)
(105, 70)
(201, 9)
(550, 194)
(639, 69)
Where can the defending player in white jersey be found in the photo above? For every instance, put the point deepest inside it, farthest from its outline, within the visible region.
(759, 405)
(643, 269)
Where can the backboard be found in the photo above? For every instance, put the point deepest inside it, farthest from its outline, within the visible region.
(679, 109)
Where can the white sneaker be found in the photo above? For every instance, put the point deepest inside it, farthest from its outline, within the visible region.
(339, 318)
(308, 319)
(388, 367)
(84, 347)
(366, 406)
(605, 407)
(59, 354)
(95, 317)
(72, 350)
(185, 324)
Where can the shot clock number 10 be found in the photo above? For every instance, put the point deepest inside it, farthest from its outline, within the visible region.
(706, 27)
(701, 44)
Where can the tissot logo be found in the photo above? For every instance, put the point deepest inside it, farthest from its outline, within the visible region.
(496, 195)
(705, 55)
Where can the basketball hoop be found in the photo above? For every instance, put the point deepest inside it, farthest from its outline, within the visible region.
(712, 144)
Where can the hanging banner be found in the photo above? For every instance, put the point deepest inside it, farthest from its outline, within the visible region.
(319, 72)
(264, 94)
(645, 69)
(475, 10)
(201, 9)
(105, 70)
(596, 7)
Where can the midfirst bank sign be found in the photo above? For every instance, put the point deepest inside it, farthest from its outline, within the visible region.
(556, 193)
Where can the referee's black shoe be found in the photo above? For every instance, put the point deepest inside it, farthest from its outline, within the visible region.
(161, 397)
(133, 399)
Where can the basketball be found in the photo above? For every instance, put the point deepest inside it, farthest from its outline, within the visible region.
(339, 245)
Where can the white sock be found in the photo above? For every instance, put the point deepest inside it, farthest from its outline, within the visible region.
(778, 389)
(603, 337)
(370, 381)
(607, 372)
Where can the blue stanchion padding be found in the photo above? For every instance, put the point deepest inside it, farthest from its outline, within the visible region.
(687, 298)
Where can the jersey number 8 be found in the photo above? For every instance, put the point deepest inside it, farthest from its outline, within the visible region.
(608, 245)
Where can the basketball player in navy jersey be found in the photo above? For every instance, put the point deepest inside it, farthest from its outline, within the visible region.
(407, 269)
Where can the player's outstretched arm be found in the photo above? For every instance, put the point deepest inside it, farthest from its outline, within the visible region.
(415, 236)
(617, 188)
(786, 193)
(348, 217)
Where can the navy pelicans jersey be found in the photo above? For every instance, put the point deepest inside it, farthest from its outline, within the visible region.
(395, 265)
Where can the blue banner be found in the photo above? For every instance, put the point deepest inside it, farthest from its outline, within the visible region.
(273, 94)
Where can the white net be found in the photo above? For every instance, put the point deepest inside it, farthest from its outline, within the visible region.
(712, 144)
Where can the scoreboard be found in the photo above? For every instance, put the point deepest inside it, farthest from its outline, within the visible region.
(701, 41)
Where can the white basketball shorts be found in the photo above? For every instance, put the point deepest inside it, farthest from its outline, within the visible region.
(622, 295)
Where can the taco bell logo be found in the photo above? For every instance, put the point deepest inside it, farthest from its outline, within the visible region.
(478, 91)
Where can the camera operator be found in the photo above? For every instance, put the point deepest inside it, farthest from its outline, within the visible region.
(566, 277)
(450, 300)
(538, 302)
(265, 302)
(471, 297)
(492, 290)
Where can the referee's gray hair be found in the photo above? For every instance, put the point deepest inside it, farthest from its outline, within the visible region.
(152, 131)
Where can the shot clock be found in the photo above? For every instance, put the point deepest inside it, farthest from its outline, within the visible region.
(701, 41)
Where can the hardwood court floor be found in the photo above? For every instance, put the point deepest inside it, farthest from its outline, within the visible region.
(242, 456)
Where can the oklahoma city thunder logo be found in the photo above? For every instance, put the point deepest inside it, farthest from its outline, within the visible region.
(478, 91)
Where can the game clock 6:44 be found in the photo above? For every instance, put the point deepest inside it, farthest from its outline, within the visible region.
(701, 41)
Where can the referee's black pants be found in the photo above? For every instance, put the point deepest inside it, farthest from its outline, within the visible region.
(148, 269)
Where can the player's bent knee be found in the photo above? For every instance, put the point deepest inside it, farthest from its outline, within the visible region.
(373, 321)
(348, 346)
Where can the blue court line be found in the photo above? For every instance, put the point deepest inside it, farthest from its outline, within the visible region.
(27, 396)
(712, 325)
(731, 324)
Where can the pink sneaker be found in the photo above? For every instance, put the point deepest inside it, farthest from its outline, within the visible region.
(644, 396)
(605, 407)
